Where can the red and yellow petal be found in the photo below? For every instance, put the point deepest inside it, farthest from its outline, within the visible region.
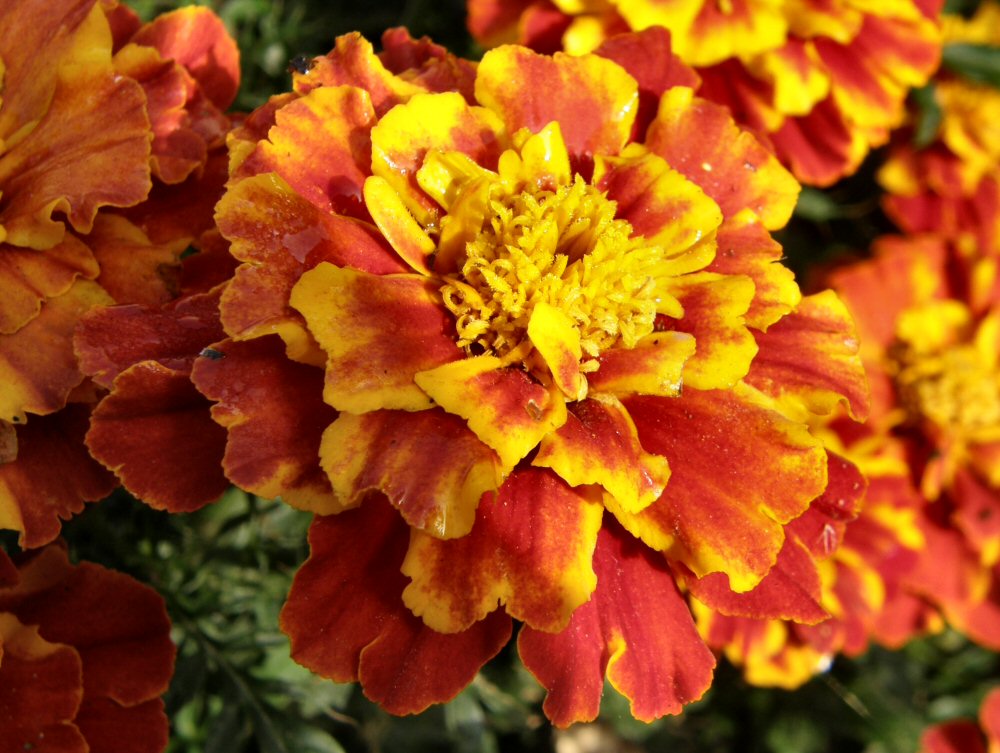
(346, 621)
(714, 313)
(598, 444)
(441, 122)
(29, 277)
(41, 689)
(280, 235)
(739, 472)
(273, 411)
(700, 139)
(428, 463)
(37, 366)
(810, 358)
(593, 99)
(90, 149)
(503, 406)
(636, 629)
(653, 367)
(320, 145)
(52, 476)
(155, 432)
(378, 332)
(110, 339)
(530, 550)
(133, 268)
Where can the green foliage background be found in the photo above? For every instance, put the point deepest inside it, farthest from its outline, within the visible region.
(225, 570)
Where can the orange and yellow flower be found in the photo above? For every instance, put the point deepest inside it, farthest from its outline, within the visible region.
(85, 655)
(929, 342)
(826, 81)
(501, 347)
(84, 128)
(950, 186)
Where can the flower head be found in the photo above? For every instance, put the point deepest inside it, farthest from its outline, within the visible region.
(513, 345)
(825, 81)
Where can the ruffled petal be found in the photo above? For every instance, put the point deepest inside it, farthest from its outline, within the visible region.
(599, 445)
(530, 550)
(29, 277)
(428, 464)
(653, 367)
(700, 139)
(133, 268)
(155, 432)
(113, 728)
(725, 516)
(346, 621)
(636, 629)
(320, 145)
(37, 366)
(273, 411)
(377, 332)
(506, 409)
(810, 358)
(109, 340)
(52, 476)
(593, 99)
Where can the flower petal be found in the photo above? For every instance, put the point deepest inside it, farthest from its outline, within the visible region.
(40, 691)
(377, 332)
(37, 366)
(810, 358)
(29, 277)
(91, 149)
(280, 235)
(133, 268)
(428, 464)
(653, 367)
(155, 432)
(636, 628)
(113, 728)
(739, 472)
(275, 416)
(714, 309)
(109, 340)
(598, 444)
(346, 621)
(700, 139)
(503, 406)
(593, 99)
(52, 476)
(529, 550)
(441, 122)
(196, 39)
(320, 146)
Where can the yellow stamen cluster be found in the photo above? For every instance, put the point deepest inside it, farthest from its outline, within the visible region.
(563, 247)
(952, 389)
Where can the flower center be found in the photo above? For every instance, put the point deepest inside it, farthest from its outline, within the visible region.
(953, 389)
(560, 246)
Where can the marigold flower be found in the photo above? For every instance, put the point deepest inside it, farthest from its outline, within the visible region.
(79, 227)
(967, 736)
(949, 186)
(511, 365)
(825, 81)
(85, 655)
(929, 342)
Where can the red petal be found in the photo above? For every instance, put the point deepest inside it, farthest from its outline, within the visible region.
(155, 432)
(346, 620)
(275, 415)
(529, 550)
(636, 628)
(112, 728)
(52, 476)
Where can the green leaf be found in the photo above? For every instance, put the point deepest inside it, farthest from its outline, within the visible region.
(928, 116)
(816, 206)
(977, 62)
